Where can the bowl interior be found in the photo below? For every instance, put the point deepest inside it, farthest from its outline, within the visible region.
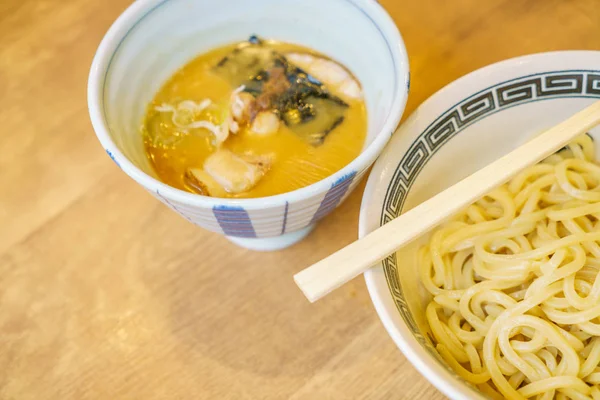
(155, 38)
(460, 129)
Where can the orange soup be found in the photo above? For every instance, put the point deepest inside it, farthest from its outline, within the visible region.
(255, 119)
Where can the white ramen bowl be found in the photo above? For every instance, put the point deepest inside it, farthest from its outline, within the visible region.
(463, 127)
(154, 38)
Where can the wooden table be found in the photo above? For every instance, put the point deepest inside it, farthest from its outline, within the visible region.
(107, 294)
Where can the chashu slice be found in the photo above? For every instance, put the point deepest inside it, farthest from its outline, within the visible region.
(226, 172)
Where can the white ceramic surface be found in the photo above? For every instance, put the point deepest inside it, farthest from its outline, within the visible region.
(154, 38)
(463, 127)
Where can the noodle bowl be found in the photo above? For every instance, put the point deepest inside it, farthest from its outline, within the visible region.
(496, 254)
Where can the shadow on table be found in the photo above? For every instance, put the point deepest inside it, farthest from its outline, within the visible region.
(243, 309)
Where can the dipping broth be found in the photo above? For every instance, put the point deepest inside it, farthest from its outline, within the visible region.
(255, 119)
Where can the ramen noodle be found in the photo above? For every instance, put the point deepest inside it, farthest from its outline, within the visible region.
(515, 283)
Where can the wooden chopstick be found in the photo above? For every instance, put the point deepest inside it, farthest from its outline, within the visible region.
(332, 272)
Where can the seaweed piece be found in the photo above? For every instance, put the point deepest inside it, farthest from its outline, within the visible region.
(308, 108)
(302, 102)
(314, 119)
(245, 63)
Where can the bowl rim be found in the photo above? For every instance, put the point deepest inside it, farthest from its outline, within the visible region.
(119, 30)
(419, 357)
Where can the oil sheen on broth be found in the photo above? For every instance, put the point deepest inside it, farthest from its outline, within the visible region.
(254, 119)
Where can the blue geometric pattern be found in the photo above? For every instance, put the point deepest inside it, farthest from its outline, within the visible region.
(334, 196)
(112, 157)
(285, 215)
(527, 89)
(234, 221)
(172, 206)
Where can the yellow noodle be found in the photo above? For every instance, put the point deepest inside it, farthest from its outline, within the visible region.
(515, 283)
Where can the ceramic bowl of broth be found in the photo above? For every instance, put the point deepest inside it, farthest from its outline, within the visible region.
(250, 119)
(463, 127)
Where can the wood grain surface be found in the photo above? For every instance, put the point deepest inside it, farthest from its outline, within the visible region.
(107, 294)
